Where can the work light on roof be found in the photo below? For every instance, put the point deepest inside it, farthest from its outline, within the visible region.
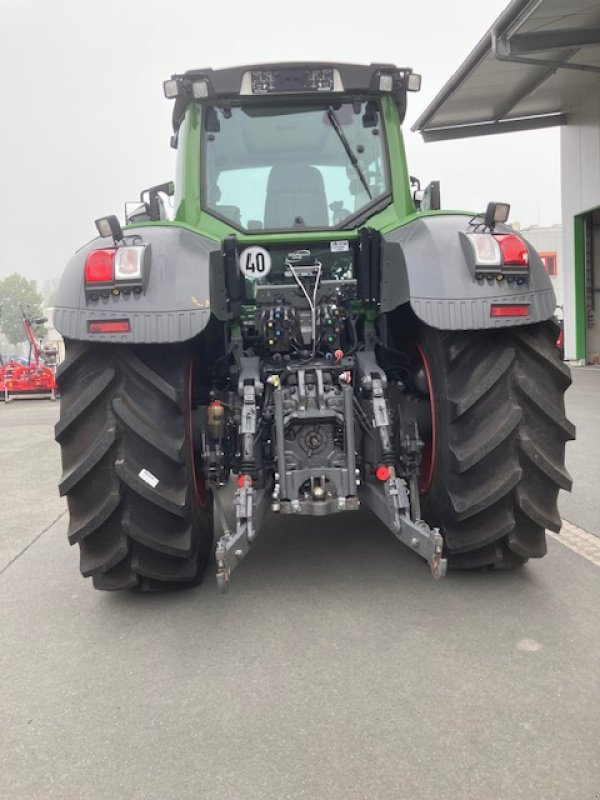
(386, 83)
(413, 82)
(200, 89)
(171, 88)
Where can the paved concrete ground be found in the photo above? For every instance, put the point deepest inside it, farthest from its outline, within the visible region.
(582, 505)
(29, 467)
(335, 668)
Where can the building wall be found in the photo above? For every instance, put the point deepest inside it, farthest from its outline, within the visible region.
(592, 315)
(580, 177)
(548, 240)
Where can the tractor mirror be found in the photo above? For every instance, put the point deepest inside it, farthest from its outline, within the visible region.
(431, 198)
(427, 199)
(370, 117)
(136, 212)
(211, 121)
(153, 201)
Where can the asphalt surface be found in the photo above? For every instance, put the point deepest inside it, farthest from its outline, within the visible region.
(335, 668)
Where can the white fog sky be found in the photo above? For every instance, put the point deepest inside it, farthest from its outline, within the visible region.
(84, 125)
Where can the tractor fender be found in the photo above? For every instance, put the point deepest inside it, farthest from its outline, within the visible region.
(423, 263)
(184, 285)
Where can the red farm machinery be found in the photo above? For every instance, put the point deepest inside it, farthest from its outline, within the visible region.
(34, 376)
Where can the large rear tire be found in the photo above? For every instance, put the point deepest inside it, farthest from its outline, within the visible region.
(139, 515)
(498, 441)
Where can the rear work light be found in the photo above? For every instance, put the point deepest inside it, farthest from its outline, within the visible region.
(504, 310)
(496, 255)
(110, 326)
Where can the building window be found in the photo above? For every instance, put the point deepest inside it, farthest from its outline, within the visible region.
(549, 260)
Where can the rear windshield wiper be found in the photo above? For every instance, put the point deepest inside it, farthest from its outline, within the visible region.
(335, 124)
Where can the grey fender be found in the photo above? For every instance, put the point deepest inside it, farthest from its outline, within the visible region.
(185, 284)
(423, 264)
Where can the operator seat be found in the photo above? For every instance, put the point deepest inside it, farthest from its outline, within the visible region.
(231, 213)
(295, 191)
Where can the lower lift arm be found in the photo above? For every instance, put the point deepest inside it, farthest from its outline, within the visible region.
(389, 498)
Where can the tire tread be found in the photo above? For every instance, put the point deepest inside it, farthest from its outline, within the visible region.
(125, 409)
(500, 463)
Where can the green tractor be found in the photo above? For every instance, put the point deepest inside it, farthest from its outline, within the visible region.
(309, 334)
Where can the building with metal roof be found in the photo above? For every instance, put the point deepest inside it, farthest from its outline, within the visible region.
(539, 66)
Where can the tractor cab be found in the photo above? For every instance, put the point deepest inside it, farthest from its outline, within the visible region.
(290, 148)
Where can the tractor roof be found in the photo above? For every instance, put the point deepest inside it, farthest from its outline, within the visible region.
(293, 80)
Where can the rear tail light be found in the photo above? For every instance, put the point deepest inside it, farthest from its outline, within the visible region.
(496, 255)
(121, 267)
(99, 266)
(514, 250)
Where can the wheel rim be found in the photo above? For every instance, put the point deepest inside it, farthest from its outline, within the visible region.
(428, 457)
(200, 490)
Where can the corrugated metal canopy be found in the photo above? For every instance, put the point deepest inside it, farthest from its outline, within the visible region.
(537, 59)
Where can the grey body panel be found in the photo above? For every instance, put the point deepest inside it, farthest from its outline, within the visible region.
(423, 263)
(185, 285)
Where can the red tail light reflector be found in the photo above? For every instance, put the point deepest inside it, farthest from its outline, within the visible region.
(514, 250)
(504, 310)
(110, 326)
(382, 473)
(99, 266)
